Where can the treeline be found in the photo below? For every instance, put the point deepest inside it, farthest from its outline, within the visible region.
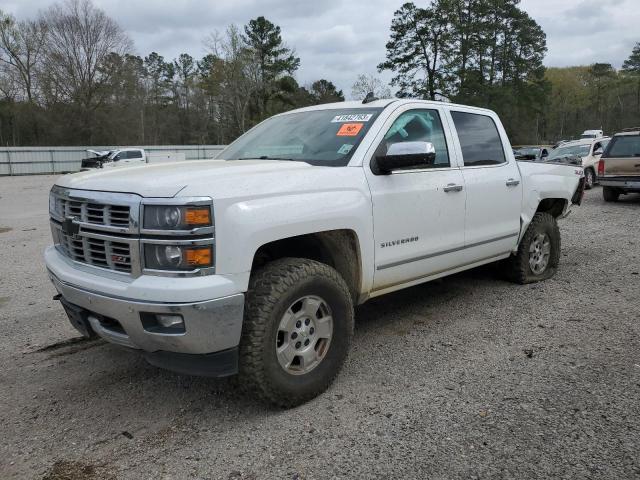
(593, 97)
(476, 52)
(489, 54)
(69, 78)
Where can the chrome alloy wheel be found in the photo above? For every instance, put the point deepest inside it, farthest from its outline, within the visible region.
(539, 253)
(304, 335)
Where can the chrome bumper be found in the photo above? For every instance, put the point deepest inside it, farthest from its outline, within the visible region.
(210, 326)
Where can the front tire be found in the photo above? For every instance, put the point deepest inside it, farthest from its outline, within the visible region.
(610, 194)
(538, 254)
(589, 179)
(297, 330)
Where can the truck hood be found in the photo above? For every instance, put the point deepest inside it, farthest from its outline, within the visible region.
(196, 178)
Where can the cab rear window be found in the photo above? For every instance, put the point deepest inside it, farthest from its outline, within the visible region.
(623, 146)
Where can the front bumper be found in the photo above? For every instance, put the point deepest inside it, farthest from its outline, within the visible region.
(114, 308)
(210, 326)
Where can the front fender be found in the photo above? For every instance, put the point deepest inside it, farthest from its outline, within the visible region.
(248, 224)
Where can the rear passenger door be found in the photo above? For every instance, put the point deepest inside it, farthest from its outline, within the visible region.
(493, 185)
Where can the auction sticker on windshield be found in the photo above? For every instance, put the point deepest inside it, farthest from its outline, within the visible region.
(349, 129)
(344, 149)
(355, 117)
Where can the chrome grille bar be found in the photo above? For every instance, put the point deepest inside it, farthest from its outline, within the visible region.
(118, 254)
(105, 211)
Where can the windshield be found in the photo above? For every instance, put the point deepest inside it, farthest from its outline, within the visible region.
(588, 135)
(319, 137)
(569, 150)
(624, 146)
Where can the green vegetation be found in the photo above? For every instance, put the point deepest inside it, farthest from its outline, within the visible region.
(68, 77)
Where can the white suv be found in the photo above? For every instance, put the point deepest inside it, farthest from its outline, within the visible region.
(589, 150)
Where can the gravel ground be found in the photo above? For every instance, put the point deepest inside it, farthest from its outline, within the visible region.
(467, 377)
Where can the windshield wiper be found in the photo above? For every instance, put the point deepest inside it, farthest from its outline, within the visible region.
(267, 157)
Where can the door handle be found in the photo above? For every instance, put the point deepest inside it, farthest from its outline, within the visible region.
(452, 187)
(512, 182)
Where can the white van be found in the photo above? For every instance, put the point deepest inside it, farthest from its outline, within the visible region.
(592, 134)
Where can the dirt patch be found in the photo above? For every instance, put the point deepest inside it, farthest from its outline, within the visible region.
(72, 470)
(5, 229)
(4, 301)
(70, 342)
(69, 346)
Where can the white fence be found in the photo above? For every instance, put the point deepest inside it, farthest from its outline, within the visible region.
(35, 160)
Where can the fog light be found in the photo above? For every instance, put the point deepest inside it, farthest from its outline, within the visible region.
(170, 321)
(163, 323)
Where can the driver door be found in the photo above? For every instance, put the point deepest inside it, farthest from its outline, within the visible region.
(418, 214)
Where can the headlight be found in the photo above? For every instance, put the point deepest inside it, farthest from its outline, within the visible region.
(55, 205)
(176, 217)
(52, 203)
(178, 257)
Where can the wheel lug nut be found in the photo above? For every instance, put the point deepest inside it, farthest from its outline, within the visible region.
(294, 335)
(306, 342)
(298, 344)
(307, 321)
(298, 324)
(311, 330)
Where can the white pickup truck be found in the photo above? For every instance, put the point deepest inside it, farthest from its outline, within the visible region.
(127, 157)
(252, 263)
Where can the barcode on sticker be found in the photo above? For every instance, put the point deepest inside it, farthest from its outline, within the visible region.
(354, 117)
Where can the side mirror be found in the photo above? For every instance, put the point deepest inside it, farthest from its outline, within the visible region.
(405, 155)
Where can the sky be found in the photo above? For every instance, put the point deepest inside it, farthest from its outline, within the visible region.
(339, 39)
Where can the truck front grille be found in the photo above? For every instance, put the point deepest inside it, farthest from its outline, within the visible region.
(98, 252)
(104, 231)
(94, 213)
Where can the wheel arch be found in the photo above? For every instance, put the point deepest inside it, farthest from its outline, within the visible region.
(553, 206)
(340, 249)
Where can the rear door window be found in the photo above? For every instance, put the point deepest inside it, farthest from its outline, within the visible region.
(479, 139)
(624, 146)
(135, 154)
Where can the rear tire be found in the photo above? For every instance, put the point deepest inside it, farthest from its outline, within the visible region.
(589, 179)
(538, 254)
(610, 194)
(297, 330)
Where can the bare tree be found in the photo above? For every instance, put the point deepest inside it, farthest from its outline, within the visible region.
(238, 75)
(21, 49)
(9, 84)
(80, 38)
(369, 83)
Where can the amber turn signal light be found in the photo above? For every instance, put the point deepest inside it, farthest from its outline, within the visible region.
(199, 257)
(198, 216)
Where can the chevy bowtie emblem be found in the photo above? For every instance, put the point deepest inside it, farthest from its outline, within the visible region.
(70, 226)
